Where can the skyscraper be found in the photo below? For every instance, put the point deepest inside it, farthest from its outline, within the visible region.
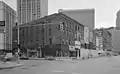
(7, 22)
(118, 19)
(29, 10)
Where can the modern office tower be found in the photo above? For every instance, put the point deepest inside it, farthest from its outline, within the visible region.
(83, 16)
(29, 10)
(7, 22)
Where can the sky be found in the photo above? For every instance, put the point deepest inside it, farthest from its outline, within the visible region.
(105, 10)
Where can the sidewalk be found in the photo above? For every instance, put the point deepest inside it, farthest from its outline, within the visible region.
(36, 58)
(9, 65)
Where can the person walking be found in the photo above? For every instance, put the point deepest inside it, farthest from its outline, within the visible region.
(17, 57)
(4, 57)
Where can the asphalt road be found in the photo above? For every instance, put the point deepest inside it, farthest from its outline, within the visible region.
(103, 65)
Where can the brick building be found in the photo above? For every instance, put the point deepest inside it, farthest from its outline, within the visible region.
(54, 34)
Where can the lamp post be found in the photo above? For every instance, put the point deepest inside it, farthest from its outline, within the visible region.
(18, 42)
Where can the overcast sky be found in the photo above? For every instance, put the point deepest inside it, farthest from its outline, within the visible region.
(105, 9)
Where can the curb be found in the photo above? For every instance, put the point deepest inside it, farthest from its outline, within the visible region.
(11, 66)
(36, 59)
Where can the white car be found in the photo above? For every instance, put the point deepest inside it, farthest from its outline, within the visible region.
(49, 58)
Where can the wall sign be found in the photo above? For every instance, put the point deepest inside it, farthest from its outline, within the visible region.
(2, 23)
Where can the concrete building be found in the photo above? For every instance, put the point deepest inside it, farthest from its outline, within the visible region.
(56, 34)
(29, 10)
(105, 39)
(86, 37)
(97, 42)
(118, 19)
(7, 22)
(115, 38)
(83, 16)
(90, 39)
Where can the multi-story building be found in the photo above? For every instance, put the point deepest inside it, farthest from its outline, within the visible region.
(86, 37)
(115, 38)
(105, 38)
(97, 42)
(29, 10)
(90, 39)
(118, 19)
(56, 33)
(7, 22)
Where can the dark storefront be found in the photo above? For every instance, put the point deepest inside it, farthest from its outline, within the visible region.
(56, 50)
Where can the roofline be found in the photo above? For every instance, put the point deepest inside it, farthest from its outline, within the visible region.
(9, 6)
(67, 10)
(40, 20)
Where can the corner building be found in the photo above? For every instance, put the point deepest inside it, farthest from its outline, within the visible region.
(54, 34)
(8, 16)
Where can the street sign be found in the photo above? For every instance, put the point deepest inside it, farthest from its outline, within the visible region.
(2, 23)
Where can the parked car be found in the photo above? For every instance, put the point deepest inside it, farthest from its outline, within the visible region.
(49, 58)
(116, 54)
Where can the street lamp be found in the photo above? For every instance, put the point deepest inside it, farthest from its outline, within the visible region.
(18, 42)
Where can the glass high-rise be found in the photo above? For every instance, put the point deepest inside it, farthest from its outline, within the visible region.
(29, 10)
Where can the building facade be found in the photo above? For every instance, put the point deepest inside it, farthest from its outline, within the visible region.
(56, 34)
(105, 39)
(86, 37)
(115, 38)
(118, 19)
(29, 10)
(7, 22)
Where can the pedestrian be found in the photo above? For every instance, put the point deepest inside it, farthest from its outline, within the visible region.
(5, 57)
(17, 58)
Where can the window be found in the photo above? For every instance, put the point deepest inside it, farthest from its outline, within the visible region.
(49, 32)
(50, 40)
(67, 32)
(75, 28)
(78, 28)
(59, 27)
(69, 41)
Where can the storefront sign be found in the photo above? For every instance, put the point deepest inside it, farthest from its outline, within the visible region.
(77, 43)
(2, 23)
(72, 48)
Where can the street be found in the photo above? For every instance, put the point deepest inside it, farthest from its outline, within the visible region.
(102, 65)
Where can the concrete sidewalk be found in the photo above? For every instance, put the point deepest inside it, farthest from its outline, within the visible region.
(9, 65)
(36, 58)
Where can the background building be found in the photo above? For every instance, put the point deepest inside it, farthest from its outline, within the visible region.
(83, 16)
(86, 37)
(29, 10)
(105, 38)
(118, 19)
(115, 38)
(7, 22)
